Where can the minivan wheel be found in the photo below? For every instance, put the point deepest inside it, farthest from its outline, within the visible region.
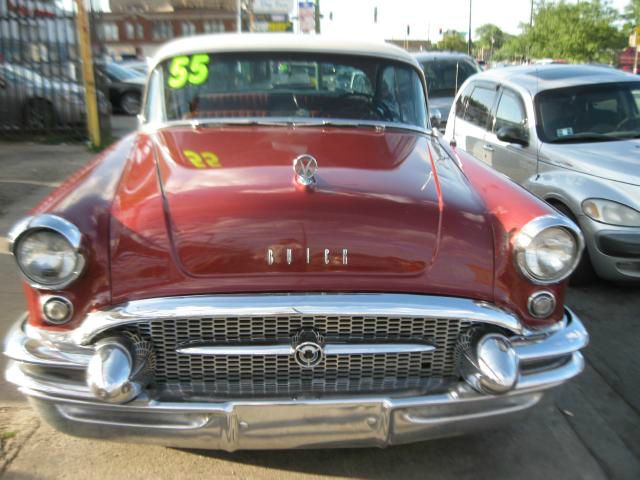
(584, 272)
(130, 103)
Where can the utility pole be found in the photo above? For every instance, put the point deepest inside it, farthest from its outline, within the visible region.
(317, 16)
(84, 44)
(531, 16)
(469, 44)
(239, 16)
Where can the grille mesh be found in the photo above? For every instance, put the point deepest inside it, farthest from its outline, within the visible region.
(281, 375)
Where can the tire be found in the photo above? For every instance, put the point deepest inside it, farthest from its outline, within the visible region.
(130, 103)
(39, 115)
(584, 273)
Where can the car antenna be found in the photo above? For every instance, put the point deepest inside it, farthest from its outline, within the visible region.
(453, 141)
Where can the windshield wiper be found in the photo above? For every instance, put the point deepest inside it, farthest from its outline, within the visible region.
(341, 123)
(586, 137)
(239, 121)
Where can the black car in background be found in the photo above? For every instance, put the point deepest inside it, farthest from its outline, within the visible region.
(125, 86)
(445, 72)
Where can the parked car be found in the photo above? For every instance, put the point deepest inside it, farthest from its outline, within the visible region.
(125, 85)
(571, 135)
(265, 265)
(445, 73)
(38, 102)
(140, 66)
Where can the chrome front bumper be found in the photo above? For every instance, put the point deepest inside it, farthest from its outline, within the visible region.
(547, 360)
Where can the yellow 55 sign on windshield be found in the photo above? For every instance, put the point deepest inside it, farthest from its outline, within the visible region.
(202, 159)
(193, 70)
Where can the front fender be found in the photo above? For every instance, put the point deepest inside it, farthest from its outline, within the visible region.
(571, 188)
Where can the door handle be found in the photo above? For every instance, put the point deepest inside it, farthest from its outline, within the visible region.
(487, 148)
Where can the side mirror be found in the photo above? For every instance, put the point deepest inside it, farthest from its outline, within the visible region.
(436, 117)
(513, 135)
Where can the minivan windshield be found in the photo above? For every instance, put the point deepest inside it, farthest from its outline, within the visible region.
(299, 87)
(445, 75)
(589, 113)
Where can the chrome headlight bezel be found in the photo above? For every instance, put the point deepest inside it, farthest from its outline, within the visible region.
(52, 223)
(530, 231)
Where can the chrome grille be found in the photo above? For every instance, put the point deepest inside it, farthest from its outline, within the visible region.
(278, 375)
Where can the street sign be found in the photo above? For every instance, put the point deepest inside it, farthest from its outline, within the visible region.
(272, 6)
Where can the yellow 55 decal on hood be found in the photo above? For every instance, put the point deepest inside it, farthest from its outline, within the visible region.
(193, 70)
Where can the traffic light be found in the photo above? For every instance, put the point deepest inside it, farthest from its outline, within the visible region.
(375, 15)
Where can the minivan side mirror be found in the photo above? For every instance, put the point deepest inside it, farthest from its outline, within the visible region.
(515, 135)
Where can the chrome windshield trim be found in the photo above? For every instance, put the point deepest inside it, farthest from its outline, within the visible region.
(286, 349)
(292, 122)
(357, 304)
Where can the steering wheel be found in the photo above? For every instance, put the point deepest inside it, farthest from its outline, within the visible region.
(625, 121)
(384, 111)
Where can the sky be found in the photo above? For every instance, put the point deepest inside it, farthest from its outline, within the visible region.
(425, 17)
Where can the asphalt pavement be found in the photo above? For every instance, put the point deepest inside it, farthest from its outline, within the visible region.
(589, 429)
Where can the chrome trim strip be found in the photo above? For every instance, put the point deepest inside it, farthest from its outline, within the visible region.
(376, 349)
(282, 350)
(329, 349)
(357, 304)
(41, 350)
(291, 122)
(560, 343)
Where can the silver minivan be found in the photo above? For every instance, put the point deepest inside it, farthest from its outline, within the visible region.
(570, 134)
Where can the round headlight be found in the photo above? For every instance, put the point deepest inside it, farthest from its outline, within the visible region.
(47, 251)
(548, 249)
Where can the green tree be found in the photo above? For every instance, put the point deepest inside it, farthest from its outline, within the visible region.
(490, 37)
(515, 48)
(632, 14)
(581, 32)
(452, 41)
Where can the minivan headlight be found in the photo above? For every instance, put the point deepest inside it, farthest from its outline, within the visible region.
(47, 251)
(548, 249)
(610, 212)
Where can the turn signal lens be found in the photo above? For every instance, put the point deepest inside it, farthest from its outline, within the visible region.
(57, 310)
(542, 304)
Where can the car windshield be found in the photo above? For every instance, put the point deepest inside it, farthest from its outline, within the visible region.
(123, 73)
(592, 113)
(444, 76)
(295, 87)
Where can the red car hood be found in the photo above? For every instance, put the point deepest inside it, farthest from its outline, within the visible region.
(377, 211)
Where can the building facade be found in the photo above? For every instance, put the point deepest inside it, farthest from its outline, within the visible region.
(136, 28)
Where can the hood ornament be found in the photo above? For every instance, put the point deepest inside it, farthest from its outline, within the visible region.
(305, 168)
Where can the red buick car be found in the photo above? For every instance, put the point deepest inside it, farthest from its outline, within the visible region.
(286, 255)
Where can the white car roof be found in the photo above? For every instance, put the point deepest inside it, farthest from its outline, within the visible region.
(537, 78)
(279, 42)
